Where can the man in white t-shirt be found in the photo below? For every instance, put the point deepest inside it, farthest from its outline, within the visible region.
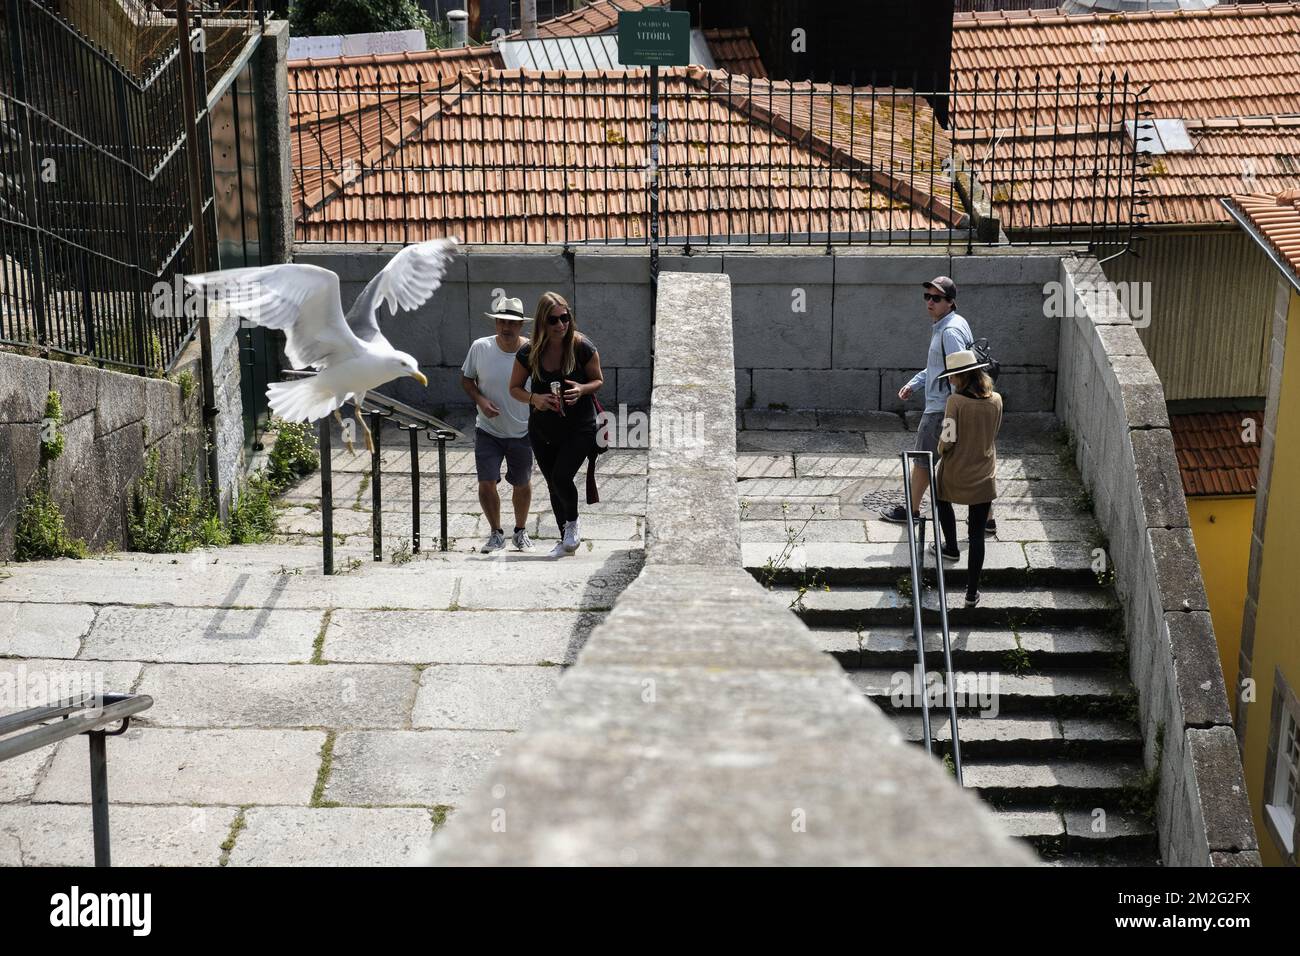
(501, 427)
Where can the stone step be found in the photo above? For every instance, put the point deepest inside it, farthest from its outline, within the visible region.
(975, 647)
(1113, 785)
(1090, 693)
(1082, 834)
(1020, 736)
(847, 563)
(1025, 606)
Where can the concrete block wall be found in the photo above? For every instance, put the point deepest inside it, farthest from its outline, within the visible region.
(1110, 397)
(700, 724)
(811, 330)
(112, 421)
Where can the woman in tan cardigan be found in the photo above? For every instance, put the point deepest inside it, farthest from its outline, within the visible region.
(967, 460)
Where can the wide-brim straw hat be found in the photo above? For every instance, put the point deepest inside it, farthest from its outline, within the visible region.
(512, 310)
(963, 361)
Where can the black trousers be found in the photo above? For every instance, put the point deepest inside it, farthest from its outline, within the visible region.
(559, 456)
(976, 521)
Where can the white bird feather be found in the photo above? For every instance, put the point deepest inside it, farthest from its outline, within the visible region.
(350, 353)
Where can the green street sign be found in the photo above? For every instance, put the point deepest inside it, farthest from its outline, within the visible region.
(654, 37)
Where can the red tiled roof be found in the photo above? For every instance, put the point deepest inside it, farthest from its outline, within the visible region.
(1232, 74)
(1277, 218)
(734, 51)
(598, 17)
(1240, 60)
(1213, 457)
(478, 160)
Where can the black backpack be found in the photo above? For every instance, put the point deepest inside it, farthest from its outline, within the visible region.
(984, 354)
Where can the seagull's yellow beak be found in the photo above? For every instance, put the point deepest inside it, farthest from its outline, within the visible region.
(419, 377)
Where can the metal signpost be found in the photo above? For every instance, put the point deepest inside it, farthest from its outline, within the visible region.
(654, 38)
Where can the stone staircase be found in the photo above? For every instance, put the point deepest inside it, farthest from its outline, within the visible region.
(1047, 714)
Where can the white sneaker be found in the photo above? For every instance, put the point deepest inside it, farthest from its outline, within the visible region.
(558, 551)
(495, 542)
(522, 541)
(572, 537)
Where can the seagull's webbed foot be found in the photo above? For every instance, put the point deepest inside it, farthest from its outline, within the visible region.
(344, 429)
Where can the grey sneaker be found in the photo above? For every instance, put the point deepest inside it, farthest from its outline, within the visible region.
(495, 542)
(522, 541)
(558, 551)
(572, 537)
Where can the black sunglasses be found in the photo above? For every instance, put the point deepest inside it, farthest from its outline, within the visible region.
(554, 319)
(931, 297)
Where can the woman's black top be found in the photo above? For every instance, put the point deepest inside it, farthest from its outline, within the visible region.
(582, 413)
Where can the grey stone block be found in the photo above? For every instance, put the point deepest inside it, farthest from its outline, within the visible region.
(1202, 696)
(768, 333)
(633, 386)
(1027, 390)
(119, 401)
(77, 386)
(891, 380)
(1178, 573)
(50, 834)
(615, 317)
(26, 385)
(1247, 858)
(692, 263)
(744, 387)
(410, 767)
(481, 696)
(1012, 318)
(1220, 790)
(788, 266)
(855, 390)
(333, 836)
(43, 630)
(879, 326)
(162, 408)
(1159, 481)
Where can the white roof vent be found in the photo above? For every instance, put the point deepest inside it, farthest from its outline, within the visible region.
(1157, 137)
(1133, 6)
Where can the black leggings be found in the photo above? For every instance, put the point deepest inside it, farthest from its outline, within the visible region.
(976, 520)
(559, 456)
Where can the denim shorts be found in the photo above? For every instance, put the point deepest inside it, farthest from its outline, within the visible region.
(489, 450)
(928, 432)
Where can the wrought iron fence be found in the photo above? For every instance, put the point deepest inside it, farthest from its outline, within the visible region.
(93, 197)
(397, 153)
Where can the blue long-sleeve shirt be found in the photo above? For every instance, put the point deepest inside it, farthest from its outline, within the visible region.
(950, 334)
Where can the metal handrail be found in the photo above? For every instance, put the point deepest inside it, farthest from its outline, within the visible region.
(915, 556)
(99, 711)
(381, 408)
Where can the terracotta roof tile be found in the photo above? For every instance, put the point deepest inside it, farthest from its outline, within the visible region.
(733, 50)
(598, 17)
(478, 159)
(1240, 60)
(1277, 218)
(1213, 457)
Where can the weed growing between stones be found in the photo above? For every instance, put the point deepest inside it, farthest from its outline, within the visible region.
(41, 532)
(439, 814)
(252, 520)
(1017, 660)
(402, 553)
(186, 381)
(228, 843)
(904, 587)
(773, 567)
(323, 774)
(165, 523)
(293, 456)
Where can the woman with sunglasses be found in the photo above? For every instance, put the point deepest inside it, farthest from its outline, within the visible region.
(557, 373)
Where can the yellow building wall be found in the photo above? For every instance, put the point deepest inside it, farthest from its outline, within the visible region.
(1277, 629)
(1221, 529)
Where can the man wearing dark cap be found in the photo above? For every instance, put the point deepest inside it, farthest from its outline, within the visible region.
(949, 333)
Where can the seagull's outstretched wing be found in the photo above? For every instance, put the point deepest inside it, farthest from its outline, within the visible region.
(301, 300)
(407, 282)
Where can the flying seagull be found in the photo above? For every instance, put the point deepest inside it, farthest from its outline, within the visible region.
(350, 354)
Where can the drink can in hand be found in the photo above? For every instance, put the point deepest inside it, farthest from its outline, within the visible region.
(555, 390)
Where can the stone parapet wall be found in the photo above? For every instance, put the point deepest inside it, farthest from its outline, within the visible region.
(700, 724)
(1111, 399)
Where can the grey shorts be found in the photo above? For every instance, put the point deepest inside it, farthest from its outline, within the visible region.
(490, 450)
(927, 433)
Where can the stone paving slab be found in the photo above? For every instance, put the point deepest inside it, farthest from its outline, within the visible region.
(861, 421)
(458, 637)
(594, 527)
(482, 696)
(554, 584)
(753, 465)
(410, 767)
(43, 630)
(202, 635)
(280, 695)
(22, 774)
(772, 509)
(800, 441)
(1072, 775)
(847, 466)
(1031, 823)
(998, 556)
(333, 836)
(791, 488)
(1086, 684)
(1000, 729)
(51, 834)
(821, 530)
(159, 766)
(1040, 529)
(757, 419)
(110, 582)
(38, 681)
(1061, 555)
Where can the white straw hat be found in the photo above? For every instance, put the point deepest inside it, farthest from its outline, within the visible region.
(963, 361)
(512, 310)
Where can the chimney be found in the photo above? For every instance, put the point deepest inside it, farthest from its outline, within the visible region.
(528, 19)
(459, 22)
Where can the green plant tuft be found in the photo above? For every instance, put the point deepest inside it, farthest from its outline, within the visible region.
(186, 381)
(252, 520)
(293, 456)
(41, 533)
(52, 440)
(166, 523)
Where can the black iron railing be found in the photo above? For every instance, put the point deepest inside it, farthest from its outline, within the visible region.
(38, 727)
(528, 157)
